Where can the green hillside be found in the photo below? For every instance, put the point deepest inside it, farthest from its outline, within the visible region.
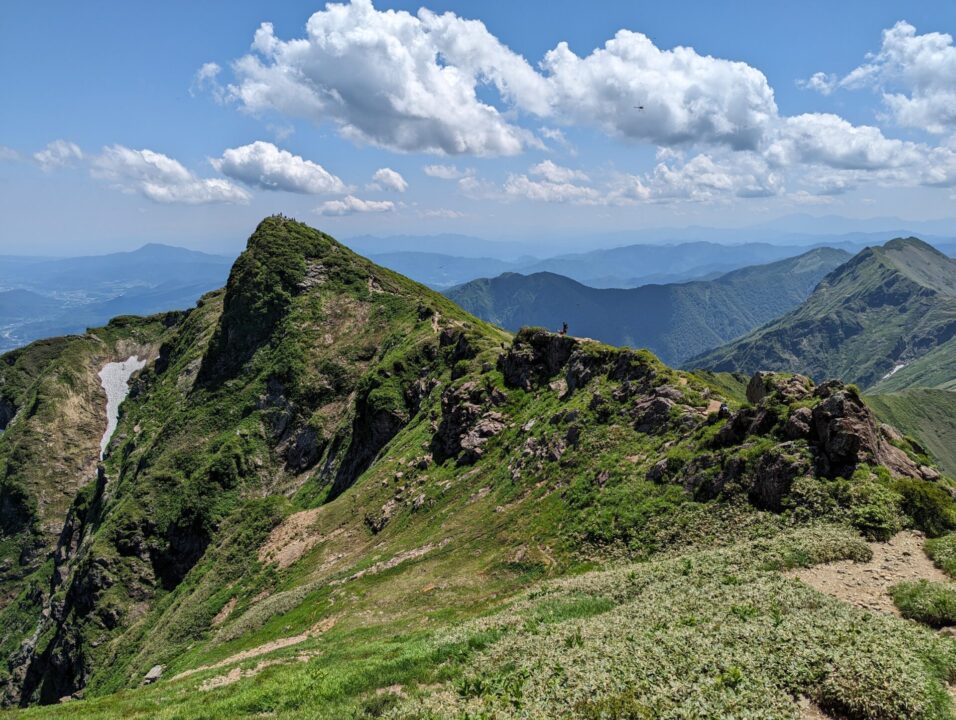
(674, 321)
(335, 494)
(887, 307)
(926, 414)
(935, 369)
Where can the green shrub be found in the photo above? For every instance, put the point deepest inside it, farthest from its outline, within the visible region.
(943, 553)
(929, 506)
(927, 602)
(874, 510)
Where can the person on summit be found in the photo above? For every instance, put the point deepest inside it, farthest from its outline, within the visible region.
(564, 329)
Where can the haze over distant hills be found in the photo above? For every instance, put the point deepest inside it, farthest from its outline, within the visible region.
(674, 321)
(794, 229)
(40, 297)
(65, 295)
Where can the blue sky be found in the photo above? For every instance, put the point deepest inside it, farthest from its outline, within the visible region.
(112, 133)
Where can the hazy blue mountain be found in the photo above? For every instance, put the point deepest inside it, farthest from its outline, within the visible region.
(441, 271)
(675, 321)
(40, 297)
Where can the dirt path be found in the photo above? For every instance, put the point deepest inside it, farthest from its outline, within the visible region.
(866, 585)
(263, 649)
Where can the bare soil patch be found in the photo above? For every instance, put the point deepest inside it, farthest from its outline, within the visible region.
(866, 585)
(259, 650)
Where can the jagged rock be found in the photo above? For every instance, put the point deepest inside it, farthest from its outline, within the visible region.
(488, 426)
(546, 448)
(377, 522)
(799, 424)
(659, 471)
(423, 462)
(154, 674)
(573, 435)
(7, 412)
(736, 428)
(652, 414)
(456, 339)
(670, 392)
(304, 449)
(847, 435)
(564, 416)
(535, 356)
(315, 274)
(773, 475)
(789, 388)
(466, 425)
(890, 433)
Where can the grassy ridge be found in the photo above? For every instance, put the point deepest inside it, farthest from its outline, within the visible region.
(928, 415)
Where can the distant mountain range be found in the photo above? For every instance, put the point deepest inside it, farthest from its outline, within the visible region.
(40, 297)
(447, 260)
(878, 315)
(675, 321)
(623, 267)
(800, 229)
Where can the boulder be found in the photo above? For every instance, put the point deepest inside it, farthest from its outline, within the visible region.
(154, 674)
(773, 475)
(466, 423)
(789, 388)
(799, 424)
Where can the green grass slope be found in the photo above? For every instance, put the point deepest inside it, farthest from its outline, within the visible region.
(888, 306)
(674, 321)
(927, 414)
(935, 369)
(336, 494)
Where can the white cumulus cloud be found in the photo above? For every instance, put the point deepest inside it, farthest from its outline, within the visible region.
(916, 75)
(351, 205)
(161, 178)
(378, 76)
(823, 83)
(59, 153)
(826, 139)
(388, 179)
(556, 173)
(411, 83)
(686, 97)
(550, 190)
(262, 164)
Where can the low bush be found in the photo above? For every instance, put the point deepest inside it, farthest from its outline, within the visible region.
(931, 508)
(942, 550)
(930, 603)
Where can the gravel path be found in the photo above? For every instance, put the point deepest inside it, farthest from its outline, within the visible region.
(867, 585)
(115, 380)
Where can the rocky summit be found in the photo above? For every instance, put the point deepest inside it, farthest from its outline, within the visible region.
(334, 493)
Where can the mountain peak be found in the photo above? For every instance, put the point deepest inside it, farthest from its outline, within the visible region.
(921, 263)
(901, 243)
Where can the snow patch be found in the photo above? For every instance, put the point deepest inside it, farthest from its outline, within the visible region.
(114, 377)
(896, 369)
